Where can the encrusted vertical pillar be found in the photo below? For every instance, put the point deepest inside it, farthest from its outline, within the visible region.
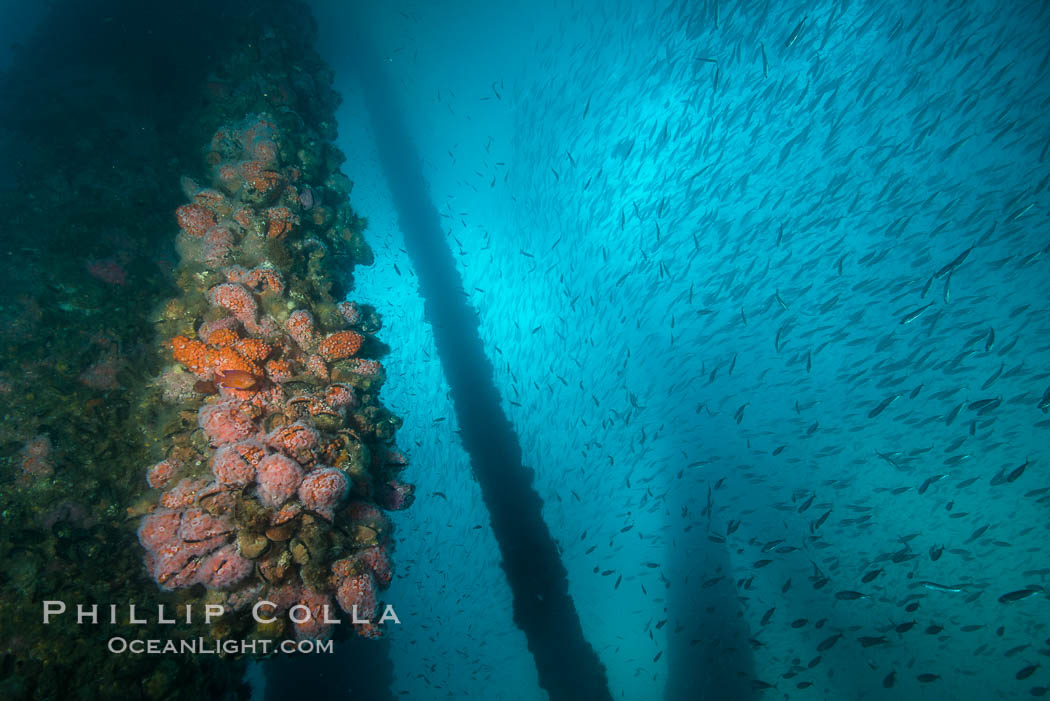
(277, 464)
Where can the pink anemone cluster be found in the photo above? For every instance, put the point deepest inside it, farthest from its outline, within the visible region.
(282, 495)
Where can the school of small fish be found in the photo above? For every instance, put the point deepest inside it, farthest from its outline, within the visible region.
(766, 289)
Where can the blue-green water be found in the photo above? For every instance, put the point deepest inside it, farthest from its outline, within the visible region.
(698, 237)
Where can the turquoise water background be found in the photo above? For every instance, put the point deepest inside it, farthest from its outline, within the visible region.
(692, 232)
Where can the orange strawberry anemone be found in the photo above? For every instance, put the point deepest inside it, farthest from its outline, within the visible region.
(254, 349)
(191, 353)
(225, 353)
(222, 337)
(194, 219)
(341, 345)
